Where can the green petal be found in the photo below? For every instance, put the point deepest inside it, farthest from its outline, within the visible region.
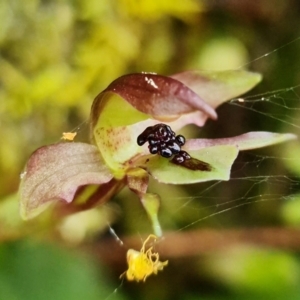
(217, 87)
(113, 132)
(246, 141)
(253, 140)
(220, 159)
(115, 111)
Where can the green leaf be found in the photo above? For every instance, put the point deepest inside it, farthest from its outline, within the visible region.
(34, 271)
(256, 270)
(220, 159)
(290, 211)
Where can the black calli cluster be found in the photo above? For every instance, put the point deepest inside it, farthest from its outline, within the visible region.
(163, 141)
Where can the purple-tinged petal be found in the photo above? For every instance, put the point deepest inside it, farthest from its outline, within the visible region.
(157, 95)
(55, 172)
(246, 141)
(197, 118)
(217, 87)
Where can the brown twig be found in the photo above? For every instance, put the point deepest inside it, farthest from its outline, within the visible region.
(191, 243)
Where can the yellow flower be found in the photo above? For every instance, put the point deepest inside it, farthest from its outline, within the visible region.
(142, 264)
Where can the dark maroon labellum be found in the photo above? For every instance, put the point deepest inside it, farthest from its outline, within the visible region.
(178, 159)
(153, 149)
(141, 140)
(191, 163)
(181, 157)
(143, 137)
(180, 139)
(163, 141)
(153, 142)
(166, 152)
(174, 147)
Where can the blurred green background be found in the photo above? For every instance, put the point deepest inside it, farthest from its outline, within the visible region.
(57, 55)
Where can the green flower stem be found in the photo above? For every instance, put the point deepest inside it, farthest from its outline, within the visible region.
(151, 203)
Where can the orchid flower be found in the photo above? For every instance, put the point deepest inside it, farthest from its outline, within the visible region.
(119, 115)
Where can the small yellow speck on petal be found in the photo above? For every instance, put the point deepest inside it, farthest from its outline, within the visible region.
(68, 136)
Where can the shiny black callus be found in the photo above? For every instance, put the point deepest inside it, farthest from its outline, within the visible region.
(153, 149)
(180, 139)
(173, 146)
(166, 152)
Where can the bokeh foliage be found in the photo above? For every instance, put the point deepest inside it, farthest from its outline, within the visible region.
(57, 55)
